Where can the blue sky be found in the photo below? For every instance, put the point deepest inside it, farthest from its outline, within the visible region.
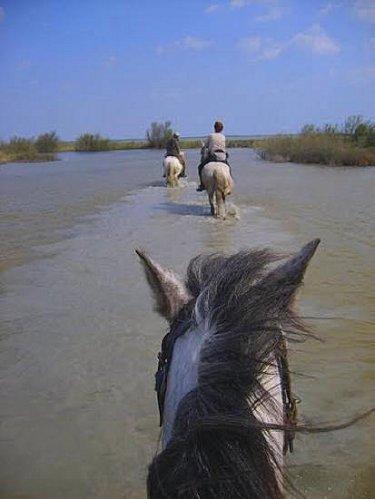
(262, 66)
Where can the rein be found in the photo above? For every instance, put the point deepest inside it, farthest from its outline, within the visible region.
(164, 362)
(289, 399)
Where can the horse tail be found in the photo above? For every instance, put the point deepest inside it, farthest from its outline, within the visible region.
(223, 182)
(172, 172)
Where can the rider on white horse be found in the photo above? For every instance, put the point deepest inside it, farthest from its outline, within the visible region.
(173, 149)
(215, 150)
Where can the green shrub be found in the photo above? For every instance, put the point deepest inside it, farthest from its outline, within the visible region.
(47, 142)
(352, 144)
(318, 148)
(240, 143)
(308, 129)
(20, 149)
(364, 134)
(158, 134)
(123, 145)
(351, 123)
(90, 142)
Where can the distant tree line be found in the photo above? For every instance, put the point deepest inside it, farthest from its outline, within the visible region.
(330, 143)
(156, 137)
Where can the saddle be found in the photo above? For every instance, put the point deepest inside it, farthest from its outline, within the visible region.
(289, 399)
(217, 156)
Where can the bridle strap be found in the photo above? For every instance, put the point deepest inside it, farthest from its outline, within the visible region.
(289, 399)
(164, 362)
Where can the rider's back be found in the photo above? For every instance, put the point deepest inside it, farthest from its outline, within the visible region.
(172, 147)
(215, 144)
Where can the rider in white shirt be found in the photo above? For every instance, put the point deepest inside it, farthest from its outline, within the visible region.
(215, 150)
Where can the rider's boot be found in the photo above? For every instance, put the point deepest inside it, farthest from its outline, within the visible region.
(183, 173)
(200, 187)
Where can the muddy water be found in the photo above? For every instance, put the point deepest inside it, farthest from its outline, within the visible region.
(78, 338)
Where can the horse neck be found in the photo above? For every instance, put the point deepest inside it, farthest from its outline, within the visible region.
(214, 456)
(213, 444)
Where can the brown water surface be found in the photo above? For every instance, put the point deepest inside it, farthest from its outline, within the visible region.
(78, 338)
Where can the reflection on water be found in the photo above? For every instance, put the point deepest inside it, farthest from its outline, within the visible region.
(78, 337)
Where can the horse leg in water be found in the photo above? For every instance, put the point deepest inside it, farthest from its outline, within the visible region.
(173, 170)
(211, 195)
(171, 178)
(220, 204)
(175, 180)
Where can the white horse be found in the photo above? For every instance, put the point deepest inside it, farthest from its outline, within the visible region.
(218, 182)
(223, 380)
(172, 169)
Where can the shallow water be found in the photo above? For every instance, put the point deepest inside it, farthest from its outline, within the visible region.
(78, 338)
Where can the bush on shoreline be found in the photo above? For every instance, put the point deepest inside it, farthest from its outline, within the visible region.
(20, 149)
(92, 142)
(352, 144)
(47, 142)
(315, 149)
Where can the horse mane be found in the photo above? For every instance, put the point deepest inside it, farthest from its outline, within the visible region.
(218, 448)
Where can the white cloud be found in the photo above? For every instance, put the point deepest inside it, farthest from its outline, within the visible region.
(327, 9)
(194, 43)
(365, 10)
(261, 49)
(362, 76)
(316, 40)
(186, 43)
(2, 14)
(274, 13)
(251, 44)
(110, 62)
(238, 4)
(211, 8)
(273, 8)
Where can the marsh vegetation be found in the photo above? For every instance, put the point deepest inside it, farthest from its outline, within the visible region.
(46, 145)
(42, 148)
(351, 144)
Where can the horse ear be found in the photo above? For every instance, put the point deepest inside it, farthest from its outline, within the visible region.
(286, 278)
(293, 270)
(169, 291)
